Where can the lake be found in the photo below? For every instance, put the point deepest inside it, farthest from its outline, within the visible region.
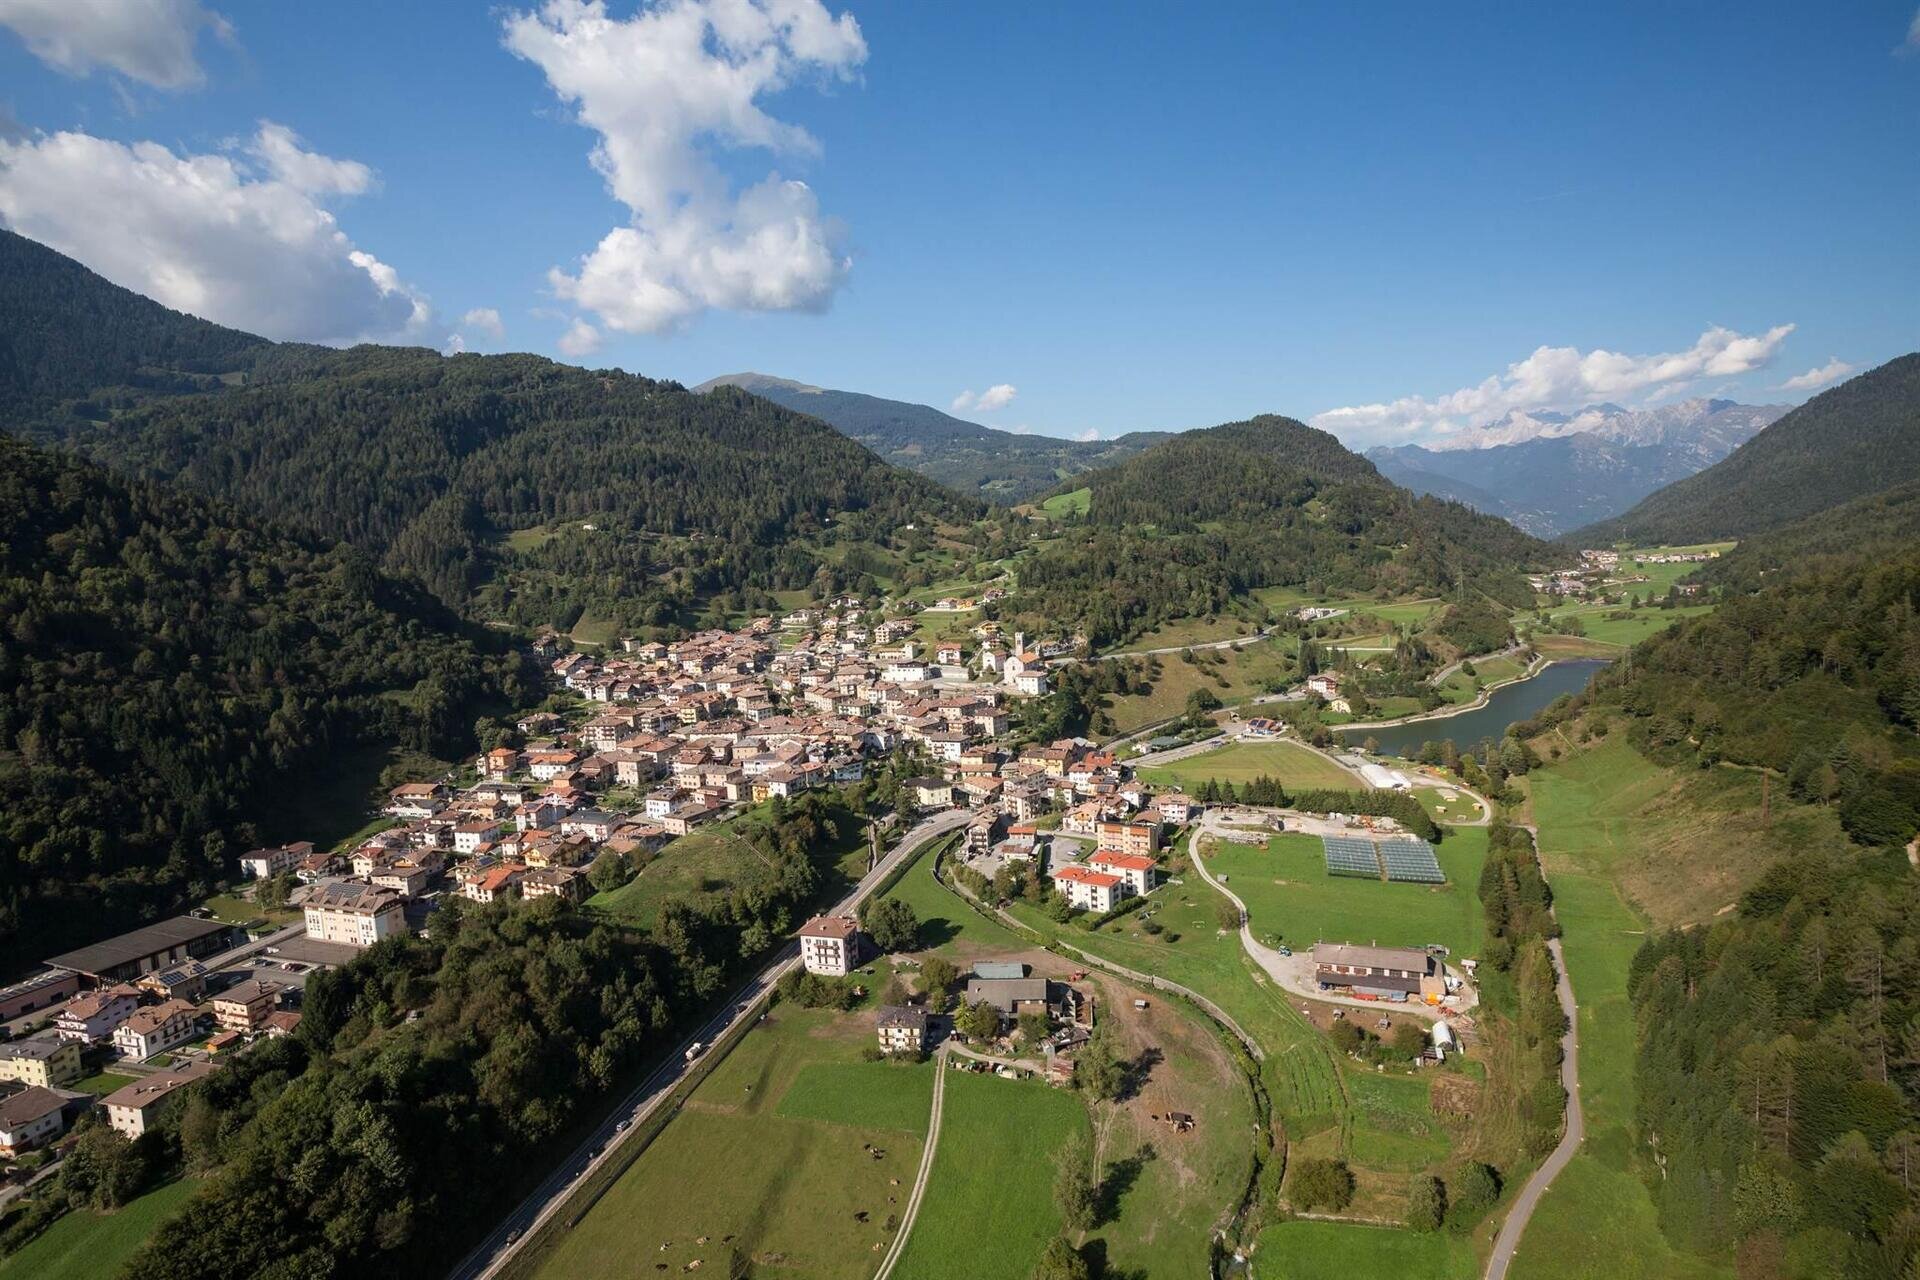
(1505, 705)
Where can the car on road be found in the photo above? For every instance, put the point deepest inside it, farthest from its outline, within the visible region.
(513, 1236)
(623, 1126)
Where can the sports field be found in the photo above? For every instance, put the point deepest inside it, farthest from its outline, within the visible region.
(1290, 896)
(1297, 768)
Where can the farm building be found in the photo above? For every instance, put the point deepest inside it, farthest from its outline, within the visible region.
(1389, 973)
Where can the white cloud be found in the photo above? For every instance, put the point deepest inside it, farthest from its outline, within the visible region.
(486, 320)
(1557, 378)
(580, 339)
(151, 41)
(243, 244)
(278, 149)
(1089, 435)
(997, 396)
(663, 89)
(1913, 32)
(1832, 371)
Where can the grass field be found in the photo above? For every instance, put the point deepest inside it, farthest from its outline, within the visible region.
(863, 1095)
(1289, 894)
(1415, 612)
(103, 1084)
(1341, 1251)
(1296, 767)
(1062, 505)
(986, 1216)
(1232, 675)
(1625, 632)
(1594, 812)
(94, 1246)
(234, 909)
(769, 1162)
(1181, 1185)
(710, 859)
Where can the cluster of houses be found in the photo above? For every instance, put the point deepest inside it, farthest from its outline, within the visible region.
(684, 730)
(131, 998)
(1011, 991)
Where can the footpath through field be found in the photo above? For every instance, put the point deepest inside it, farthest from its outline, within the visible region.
(912, 1210)
(550, 1197)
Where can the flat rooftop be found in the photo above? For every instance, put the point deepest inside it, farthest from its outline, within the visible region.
(128, 948)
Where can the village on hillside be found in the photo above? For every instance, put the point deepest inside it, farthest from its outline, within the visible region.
(660, 739)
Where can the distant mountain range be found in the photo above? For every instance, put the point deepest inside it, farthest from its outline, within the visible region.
(1550, 473)
(1857, 440)
(1002, 466)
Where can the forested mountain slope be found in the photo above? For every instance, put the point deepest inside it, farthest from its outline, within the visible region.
(429, 463)
(168, 668)
(1002, 466)
(1860, 438)
(74, 347)
(1181, 528)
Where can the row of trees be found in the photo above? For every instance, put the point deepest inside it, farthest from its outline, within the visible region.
(1518, 909)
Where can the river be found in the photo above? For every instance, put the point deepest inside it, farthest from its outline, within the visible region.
(1505, 705)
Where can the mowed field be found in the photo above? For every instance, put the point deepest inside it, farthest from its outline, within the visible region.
(1597, 1220)
(94, 1246)
(1297, 768)
(1232, 675)
(770, 1163)
(988, 1210)
(1341, 1251)
(1290, 896)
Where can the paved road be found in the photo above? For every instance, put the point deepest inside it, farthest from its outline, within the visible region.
(550, 1196)
(1529, 1198)
(899, 1245)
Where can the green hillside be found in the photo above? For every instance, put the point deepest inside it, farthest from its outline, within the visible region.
(1209, 515)
(430, 462)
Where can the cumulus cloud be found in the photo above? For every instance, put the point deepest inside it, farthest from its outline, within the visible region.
(997, 396)
(1089, 435)
(580, 339)
(481, 321)
(1557, 378)
(1832, 371)
(663, 90)
(152, 41)
(241, 238)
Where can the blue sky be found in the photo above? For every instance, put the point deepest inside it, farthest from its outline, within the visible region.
(1143, 218)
